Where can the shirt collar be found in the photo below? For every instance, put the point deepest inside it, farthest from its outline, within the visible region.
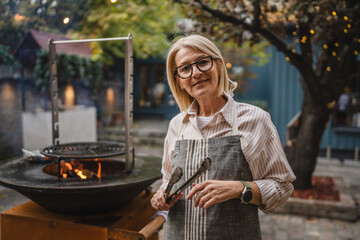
(227, 111)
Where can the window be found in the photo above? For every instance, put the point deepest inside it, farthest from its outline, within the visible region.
(152, 85)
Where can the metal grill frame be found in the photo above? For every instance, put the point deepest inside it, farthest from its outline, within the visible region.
(128, 112)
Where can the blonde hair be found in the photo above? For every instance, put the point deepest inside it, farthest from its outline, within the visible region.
(183, 99)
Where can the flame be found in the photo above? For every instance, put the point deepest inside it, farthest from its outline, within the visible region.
(80, 174)
(68, 166)
(99, 171)
(75, 168)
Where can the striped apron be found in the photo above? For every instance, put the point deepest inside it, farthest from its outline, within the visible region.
(226, 220)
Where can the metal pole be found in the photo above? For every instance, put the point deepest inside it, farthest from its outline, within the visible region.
(22, 81)
(54, 92)
(91, 40)
(128, 115)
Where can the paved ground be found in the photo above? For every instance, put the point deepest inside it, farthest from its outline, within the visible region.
(273, 226)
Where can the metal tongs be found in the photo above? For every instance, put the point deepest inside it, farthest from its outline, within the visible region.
(175, 177)
(205, 165)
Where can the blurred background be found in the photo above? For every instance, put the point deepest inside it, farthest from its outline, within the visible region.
(298, 60)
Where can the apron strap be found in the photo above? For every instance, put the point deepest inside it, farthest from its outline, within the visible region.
(182, 129)
(235, 125)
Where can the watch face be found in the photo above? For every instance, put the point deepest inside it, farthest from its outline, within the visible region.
(248, 196)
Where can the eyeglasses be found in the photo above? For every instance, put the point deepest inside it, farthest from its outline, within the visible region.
(204, 64)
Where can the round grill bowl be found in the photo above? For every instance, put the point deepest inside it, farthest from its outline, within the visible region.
(88, 196)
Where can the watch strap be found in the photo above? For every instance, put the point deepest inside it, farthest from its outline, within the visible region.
(246, 184)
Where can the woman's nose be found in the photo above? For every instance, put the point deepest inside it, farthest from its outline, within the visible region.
(195, 70)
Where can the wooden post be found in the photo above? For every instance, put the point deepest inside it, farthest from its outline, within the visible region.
(356, 154)
(328, 152)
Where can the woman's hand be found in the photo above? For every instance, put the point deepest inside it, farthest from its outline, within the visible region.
(211, 192)
(158, 201)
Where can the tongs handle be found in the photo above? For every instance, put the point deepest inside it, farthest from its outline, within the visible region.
(205, 165)
(183, 187)
(175, 177)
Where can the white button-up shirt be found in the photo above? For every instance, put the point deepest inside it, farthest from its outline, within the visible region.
(259, 141)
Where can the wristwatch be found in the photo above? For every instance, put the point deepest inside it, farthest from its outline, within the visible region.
(247, 194)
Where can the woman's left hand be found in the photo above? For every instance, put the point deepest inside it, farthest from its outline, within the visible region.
(211, 192)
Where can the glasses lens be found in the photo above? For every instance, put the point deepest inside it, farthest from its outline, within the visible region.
(184, 71)
(205, 64)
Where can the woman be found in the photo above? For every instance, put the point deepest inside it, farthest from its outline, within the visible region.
(248, 167)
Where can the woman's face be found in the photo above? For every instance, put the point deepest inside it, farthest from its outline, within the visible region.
(199, 84)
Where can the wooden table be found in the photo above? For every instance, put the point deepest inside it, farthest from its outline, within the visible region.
(133, 221)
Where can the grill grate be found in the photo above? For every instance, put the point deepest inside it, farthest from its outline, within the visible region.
(82, 150)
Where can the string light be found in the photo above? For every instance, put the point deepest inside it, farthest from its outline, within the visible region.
(349, 26)
(334, 54)
(317, 8)
(293, 50)
(113, 1)
(312, 31)
(346, 18)
(303, 39)
(356, 52)
(325, 46)
(66, 20)
(287, 59)
(339, 59)
(337, 44)
(228, 65)
(346, 31)
(358, 40)
(334, 13)
(328, 69)
(19, 17)
(294, 33)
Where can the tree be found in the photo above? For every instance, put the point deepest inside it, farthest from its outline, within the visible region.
(17, 17)
(71, 69)
(327, 35)
(149, 21)
(6, 58)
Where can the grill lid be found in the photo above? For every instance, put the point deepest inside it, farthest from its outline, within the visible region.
(82, 150)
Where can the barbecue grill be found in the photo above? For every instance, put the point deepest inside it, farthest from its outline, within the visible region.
(84, 177)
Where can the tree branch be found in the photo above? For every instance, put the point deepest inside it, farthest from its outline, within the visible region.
(257, 11)
(267, 34)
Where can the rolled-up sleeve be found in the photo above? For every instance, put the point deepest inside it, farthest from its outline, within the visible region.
(272, 174)
(169, 145)
(166, 165)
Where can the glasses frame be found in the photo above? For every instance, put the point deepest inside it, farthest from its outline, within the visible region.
(196, 64)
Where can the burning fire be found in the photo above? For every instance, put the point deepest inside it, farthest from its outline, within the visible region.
(76, 169)
(85, 168)
(80, 174)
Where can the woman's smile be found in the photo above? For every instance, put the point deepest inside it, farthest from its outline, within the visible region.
(199, 82)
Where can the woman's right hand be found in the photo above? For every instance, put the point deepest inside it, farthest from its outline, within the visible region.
(158, 201)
